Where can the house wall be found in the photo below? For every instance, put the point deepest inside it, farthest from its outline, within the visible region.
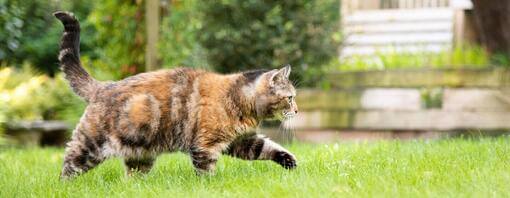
(388, 26)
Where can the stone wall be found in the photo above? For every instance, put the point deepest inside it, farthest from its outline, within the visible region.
(408, 100)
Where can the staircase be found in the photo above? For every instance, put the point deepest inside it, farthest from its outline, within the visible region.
(409, 26)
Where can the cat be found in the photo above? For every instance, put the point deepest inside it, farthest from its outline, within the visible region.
(194, 111)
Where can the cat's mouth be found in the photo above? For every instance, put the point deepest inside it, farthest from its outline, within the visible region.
(288, 114)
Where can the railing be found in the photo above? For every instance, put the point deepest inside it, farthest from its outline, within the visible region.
(393, 4)
(380, 26)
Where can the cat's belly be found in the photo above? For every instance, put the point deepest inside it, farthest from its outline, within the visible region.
(116, 149)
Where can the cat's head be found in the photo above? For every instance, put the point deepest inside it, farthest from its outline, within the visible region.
(275, 95)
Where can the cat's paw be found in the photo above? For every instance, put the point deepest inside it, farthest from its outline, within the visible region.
(285, 159)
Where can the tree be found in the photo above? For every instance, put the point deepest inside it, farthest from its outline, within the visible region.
(179, 30)
(152, 21)
(120, 35)
(31, 33)
(239, 35)
(492, 19)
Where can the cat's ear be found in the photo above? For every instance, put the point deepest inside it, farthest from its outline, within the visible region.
(285, 71)
(278, 75)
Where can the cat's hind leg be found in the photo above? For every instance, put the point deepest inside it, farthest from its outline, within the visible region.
(138, 165)
(258, 147)
(205, 153)
(204, 160)
(83, 153)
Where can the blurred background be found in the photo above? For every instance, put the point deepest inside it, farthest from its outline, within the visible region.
(366, 70)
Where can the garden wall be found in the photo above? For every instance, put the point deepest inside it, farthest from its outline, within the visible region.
(418, 101)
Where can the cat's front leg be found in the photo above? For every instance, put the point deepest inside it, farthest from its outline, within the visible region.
(205, 154)
(273, 151)
(285, 159)
(204, 160)
(258, 147)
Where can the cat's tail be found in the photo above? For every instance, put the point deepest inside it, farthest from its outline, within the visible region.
(69, 56)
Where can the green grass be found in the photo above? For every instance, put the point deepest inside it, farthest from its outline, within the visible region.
(468, 57)
(453, 168)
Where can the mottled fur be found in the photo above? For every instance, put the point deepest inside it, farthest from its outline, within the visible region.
(194, 111)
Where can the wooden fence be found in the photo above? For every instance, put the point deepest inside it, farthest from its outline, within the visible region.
(422, 100)
(393, 4)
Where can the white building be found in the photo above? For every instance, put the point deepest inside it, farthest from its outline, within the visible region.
(380, 26)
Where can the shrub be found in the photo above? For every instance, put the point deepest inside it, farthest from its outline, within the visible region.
(120, 36)
(239, 35)
(179, 31)
(32, 33)
(27, 96)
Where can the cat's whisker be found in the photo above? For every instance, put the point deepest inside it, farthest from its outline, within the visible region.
(283, 130)
(296, 83)
(290, 129)
(286, 129)
(293, 130)
(286, 136)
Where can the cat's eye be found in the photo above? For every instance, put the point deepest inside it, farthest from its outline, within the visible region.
(290, 98)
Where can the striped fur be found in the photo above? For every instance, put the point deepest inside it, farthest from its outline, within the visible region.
(69, 58)
(253, 146)
(194, 111)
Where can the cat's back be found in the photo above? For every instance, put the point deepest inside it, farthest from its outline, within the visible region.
(158, 84)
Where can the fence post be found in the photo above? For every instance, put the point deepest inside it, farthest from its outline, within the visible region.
(460, 28)
(152, 21)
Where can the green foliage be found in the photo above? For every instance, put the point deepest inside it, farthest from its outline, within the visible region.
(469, 57)
(120, 35)
(12, 23)
(239, 35)
(32, 33)
(193, 33)
(432, 98)
(453, 168)
(27, 96)
(501, 59)
(179, 31)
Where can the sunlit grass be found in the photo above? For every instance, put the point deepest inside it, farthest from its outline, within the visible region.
(456, 167)
(468, 57)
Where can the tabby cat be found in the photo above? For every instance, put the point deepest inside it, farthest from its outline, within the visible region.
(194, 111)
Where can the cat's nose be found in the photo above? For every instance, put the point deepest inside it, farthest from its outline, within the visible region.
(295, 111)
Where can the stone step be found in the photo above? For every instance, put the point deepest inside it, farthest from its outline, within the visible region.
(420, 78)
(401, 120)
(476, 100)
(431, 120)
(391, 99)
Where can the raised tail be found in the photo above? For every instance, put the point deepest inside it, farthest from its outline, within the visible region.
(69, 56)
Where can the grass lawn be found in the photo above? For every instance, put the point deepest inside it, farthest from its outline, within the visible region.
(455, 167)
